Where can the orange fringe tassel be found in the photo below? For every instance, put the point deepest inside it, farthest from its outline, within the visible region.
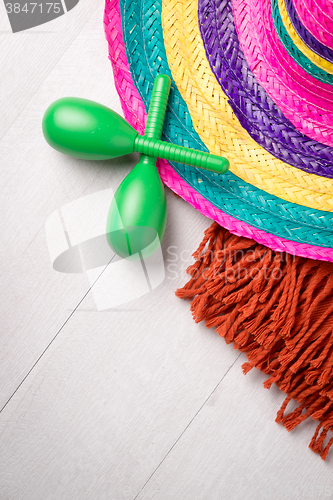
(278, 310)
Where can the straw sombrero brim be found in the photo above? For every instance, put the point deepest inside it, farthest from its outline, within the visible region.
(211, 113)
(188, 183)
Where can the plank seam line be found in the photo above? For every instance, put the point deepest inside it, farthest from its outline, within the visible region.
(187, 426)
(55, 336)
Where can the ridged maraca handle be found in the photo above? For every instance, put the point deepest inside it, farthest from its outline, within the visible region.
(157, 107)
(167, 151)
(139, 204)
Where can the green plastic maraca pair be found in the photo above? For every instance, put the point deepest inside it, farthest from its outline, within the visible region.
(88, 130)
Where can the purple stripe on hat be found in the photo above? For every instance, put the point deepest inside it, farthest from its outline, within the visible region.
(255, 110)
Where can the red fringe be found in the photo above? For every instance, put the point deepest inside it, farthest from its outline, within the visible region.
(276, 308)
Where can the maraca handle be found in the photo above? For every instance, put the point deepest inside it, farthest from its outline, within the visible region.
(156, 113)
(139, 205)
(167, 151)
(157, 107)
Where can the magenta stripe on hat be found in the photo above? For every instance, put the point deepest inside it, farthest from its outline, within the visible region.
(134, 112)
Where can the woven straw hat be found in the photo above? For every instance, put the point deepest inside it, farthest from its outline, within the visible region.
(251, 80)
(227, 98)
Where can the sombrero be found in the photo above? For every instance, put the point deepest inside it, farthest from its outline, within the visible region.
(243, 88)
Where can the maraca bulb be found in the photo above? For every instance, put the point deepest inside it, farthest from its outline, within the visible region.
(86, 129)
(137, 215)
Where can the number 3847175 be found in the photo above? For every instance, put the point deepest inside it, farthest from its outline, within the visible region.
(30, 8)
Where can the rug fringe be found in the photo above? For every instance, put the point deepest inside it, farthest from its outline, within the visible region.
(276, 308)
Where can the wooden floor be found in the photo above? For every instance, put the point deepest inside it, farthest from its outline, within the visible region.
(108, 388)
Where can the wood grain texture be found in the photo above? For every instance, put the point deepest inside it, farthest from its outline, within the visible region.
(35, 181)
(132, 402)
(29, 56)
(234, 449)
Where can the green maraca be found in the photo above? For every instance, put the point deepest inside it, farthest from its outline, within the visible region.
(137, 215)
(91, 131)
(88, 130)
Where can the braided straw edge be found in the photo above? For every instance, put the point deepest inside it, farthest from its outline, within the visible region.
(134, 112)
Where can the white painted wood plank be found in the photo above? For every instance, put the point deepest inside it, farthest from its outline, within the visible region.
(233, 449)
(37, 302)
(113, 392)
(27, 57)
(35, 181)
